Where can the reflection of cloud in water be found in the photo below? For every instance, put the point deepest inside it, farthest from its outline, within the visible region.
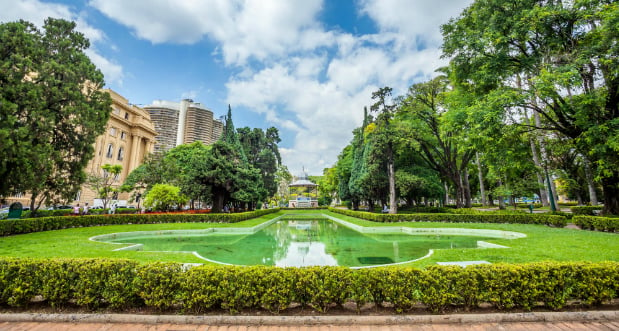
(306, 254)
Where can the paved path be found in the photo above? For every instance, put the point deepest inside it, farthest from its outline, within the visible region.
(602, 320)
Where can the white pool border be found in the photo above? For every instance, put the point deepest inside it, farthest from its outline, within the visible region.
(499, 234)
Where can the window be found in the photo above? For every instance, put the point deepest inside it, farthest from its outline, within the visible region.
(110, 151)
(126, 116)
(121, 153)
(116, 178)
(123, 135)
(116, 110)
(78, 195)
(113, 132)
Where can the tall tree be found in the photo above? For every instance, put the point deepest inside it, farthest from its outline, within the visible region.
(566, 52)
(52, 109)
(424, 111)
(104, 183)
(385, 109)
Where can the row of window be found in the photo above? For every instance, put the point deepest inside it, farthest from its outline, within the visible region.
(117, 112)
(110, 152)
(123, 134)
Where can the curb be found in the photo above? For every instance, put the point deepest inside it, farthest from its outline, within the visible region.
(551, 317)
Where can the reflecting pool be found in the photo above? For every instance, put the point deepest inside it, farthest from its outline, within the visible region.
(316, 242)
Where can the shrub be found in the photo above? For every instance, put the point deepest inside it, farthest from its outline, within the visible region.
(10, 227)
(123, 284)
(597, 223)
(513, 218)
(586, 210)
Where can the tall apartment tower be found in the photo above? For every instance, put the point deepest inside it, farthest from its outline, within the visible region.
(183, 122)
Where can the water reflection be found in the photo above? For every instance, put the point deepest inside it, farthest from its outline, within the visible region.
(305, 243)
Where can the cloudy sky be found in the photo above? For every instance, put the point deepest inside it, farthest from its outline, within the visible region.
(307, 67)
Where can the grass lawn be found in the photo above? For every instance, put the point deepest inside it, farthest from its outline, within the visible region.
(541, 244)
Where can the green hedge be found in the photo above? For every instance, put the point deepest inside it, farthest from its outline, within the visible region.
(585, 210)
(597, 223)
(10, 227)
(122, 284)
(521, 218)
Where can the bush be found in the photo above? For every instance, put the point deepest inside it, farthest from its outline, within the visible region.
(10, 227)
(122, 284)
(586, 210)
(512, 218)
(597, 223)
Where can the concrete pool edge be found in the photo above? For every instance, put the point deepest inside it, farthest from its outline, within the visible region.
(499, 234)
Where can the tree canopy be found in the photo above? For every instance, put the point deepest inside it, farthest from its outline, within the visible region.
(52, 109)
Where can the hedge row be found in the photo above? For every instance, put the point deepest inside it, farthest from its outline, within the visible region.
(10, 227)
(69, 212)
(122, 284)
(553, 220)
(597, 223)
(586, 210)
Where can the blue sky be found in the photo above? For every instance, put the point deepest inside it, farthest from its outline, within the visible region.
(307, 67)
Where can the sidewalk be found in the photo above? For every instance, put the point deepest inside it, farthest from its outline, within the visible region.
(594, 320)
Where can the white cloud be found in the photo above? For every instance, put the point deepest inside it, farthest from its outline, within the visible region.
(36, 12)
(244, 28)
(418, 20)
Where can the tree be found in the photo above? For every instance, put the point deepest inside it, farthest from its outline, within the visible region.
(164, 197)
(263, 154)
(103, 184)
(423, 111)
(52, 109)
(385, 137)
(565, 54)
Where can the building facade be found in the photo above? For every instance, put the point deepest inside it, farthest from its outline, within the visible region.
(183, 122)
(128, 138)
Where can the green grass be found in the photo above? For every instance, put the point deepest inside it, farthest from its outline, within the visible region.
(541, 244)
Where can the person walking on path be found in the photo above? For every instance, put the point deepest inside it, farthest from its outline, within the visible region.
(85, 212)
(76, 210)
(113, 209)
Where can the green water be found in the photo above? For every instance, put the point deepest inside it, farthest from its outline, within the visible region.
(304, 243)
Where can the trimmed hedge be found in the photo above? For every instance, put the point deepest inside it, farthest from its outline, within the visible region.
(523, 218)
(586, 210)
(597, 223)
(10, 227)
(122, 284)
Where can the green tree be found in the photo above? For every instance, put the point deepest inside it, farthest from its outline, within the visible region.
(423, 111)
(385, 138)
(263, 154)
(104, 183)
(564, 53)
(163, 197)
(51, 110)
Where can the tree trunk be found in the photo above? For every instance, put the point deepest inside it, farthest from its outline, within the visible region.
(466, 188)
(544, 154)
(446, 194)
(393, 204)
(218, 201)
(501, 198)
(593, 197)
(482, 188)
(610, 186)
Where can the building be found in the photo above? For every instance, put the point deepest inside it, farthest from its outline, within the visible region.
(183, 122)
(128, 138)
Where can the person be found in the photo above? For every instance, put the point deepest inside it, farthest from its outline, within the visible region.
(113, 209)
(85, 212)
(76, 210)
(385, 209)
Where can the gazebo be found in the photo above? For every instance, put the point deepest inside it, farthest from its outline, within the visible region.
(303, 193)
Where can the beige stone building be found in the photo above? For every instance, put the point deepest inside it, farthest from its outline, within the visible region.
(129, 136)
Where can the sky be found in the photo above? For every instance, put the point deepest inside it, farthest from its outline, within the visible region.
(306, 67)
